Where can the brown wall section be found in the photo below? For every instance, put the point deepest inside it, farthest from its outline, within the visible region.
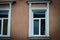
(55, 20)
(39, 5)
(20, 20)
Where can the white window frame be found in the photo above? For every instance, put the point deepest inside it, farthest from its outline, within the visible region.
(9, 20)
(31, 20)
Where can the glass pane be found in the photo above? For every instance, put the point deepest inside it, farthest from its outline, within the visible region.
(5, 24)
(3, 13)
(42, 26)
(36, 27)
(0, 26)
(39, 14)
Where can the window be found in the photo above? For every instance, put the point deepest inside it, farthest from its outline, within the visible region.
(38, 22)
(5, 15)
(4, 23)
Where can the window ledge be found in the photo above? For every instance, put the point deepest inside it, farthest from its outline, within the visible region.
(8, 38)
(42, 38)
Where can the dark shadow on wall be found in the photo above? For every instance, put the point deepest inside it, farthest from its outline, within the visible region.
(38, 39)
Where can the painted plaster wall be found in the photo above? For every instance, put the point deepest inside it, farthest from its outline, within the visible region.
(20, 20)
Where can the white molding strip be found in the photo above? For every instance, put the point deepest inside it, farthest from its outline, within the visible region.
(40, 2)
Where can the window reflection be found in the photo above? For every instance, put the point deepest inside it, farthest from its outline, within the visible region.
(3, 14)
(36, 27)
(5, 24)
(39, 14)
(42, 26)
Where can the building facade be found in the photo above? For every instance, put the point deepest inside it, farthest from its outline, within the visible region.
(29, 20)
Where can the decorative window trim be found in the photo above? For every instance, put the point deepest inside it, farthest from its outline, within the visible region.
(40, 2)
(9, 19)
(30, 20)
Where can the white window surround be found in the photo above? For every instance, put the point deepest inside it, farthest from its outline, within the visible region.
(30, 20)
(9, 19)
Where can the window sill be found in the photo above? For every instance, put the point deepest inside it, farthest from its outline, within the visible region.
(39, 38)
(5, 38)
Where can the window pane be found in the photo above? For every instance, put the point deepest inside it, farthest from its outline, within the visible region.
(0, 26)
(36, 27)
(39, 14)
(42, 26)
(5, 24)
(3, 13)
